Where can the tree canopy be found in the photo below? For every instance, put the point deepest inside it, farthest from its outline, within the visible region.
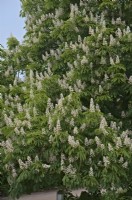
(68, 122)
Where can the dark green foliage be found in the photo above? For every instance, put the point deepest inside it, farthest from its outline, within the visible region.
(12, 43)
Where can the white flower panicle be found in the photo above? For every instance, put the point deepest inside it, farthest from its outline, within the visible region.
(22, 131)
(70, 170)
(123, 114)
(120, 190)
(125, 134)
(51, 139)
(121, 160)
(110, 148)
(106, 161)
(58, 126)
(75, 130)
(91, 173)
(16, 131)
(72, 122)
(113, 125)
(60, 104)
(130, 80)
(71, 159)
(21, 164)
(31, 75)
(127, 141)
(106, 77)
(125, 165)
(14, 174)
(29, 160)
(103, 191)
(36, 158)
(28, 115)
(39, 85)
(117, 60)
(119, 33)
(105, 42)
(72, 142)
(86, 142)
(74, 113)
(8, 121)
(9, 145)
(103, 60)
(83, 126)
(50, 123)
(112, 40)
(91, 31)
(31, 93)
(35, 111)
(100, 89)
(112, 61)
(92, 154)
(103, 123)
(45, 166)
(97, 108)
(92, 107)
(19, 107)
(118, 142)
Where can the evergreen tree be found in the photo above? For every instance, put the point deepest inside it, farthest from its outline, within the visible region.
(71, 117)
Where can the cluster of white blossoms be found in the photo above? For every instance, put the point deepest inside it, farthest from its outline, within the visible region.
(68, 169)
(92, 107)
(106, 161)
(7, 145)
(92, 154)
(9, 71)
(117, 61)
(110, 148)
(130, 80)
(103, 191)
(86, 142)
(14, 174)
(103, 123)
(49, 107)
(118, 142)
(72, 123)
(91, 173)
(83, 127)
(125, 164)
(98, 143)
(56, 21)
(75, 130)
(120, 190)
(74, 113)
(26, 164)
(128, 141)
(78, 86)
(72, 142)
(8, 121)
(29, 162)
(74, 10)
(45, 166)
(57, 129)
(113, 125)
(62, 162)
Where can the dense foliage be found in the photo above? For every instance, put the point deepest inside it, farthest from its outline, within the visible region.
(68, 122)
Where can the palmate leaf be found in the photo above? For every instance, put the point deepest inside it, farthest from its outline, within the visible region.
(118, 78)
